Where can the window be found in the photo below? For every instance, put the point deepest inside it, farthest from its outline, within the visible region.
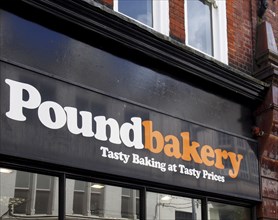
(152, 13)
(165, 207)
(221, 211)
(130, 203)
(99, 200)
(179, 215)
(25, 194)
(206, 28)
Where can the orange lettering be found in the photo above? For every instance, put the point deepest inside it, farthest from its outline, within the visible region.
(206, 152)
(219, 156)
(235, 161)
(190, 150)
(150, 136)
(172, 149)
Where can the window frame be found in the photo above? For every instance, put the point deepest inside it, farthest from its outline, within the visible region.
(32, 191)
(219, 31)
(160, 15)
(142, 187)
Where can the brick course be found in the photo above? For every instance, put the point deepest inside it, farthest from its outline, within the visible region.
(176, 15)
(240, 35)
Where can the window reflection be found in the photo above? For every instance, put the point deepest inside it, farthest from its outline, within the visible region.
(165, 207)
(139, 10)
(221, 211)
(24, 195)
(199, 18)
(95, 200)
(130, 203)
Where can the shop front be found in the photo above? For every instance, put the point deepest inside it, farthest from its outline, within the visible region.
(93, 129)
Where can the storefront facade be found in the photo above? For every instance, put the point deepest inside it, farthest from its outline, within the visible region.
(102, 121)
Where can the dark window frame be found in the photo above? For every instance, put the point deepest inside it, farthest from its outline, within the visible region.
(142, 186)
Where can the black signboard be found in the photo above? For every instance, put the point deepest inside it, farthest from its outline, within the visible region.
(70, 103)
(49, 120)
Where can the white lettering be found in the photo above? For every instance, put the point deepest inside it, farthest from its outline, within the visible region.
(114, 155)
(101, 124)
(190, 172)
(86, 129)
(16, 99)
(146, 161)
(136, 128)
(212, 176)
(45, 115)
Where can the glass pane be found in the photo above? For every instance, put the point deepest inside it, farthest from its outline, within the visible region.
(220, 211)
(126, 192)
(22, 179)
(95, 204)
(43, 182)
(139, 10)
(165, 207)
(20, 195)
(20, 198)
(42, 198)
(79, 185)
(100, 200)
(200, 26)
(77, 202)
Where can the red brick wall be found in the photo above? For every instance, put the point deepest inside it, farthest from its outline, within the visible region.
(240, 34)
(242, 20)
(176, 15)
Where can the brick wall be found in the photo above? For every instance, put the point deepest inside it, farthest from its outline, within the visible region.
(240, 34)
(242, 21)
(176, 15)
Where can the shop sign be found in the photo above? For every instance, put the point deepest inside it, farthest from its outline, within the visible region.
(145, 145)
